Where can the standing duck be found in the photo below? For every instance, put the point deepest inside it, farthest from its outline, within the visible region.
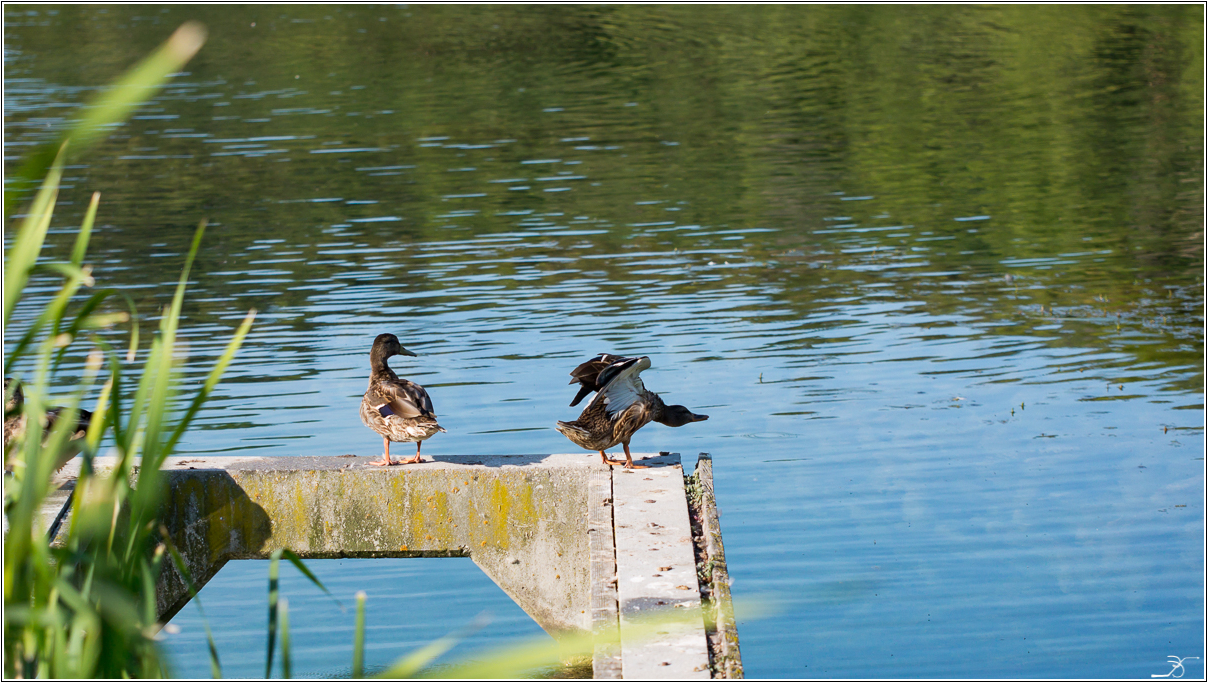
(14, 426)
(398, 409)
(621, 406)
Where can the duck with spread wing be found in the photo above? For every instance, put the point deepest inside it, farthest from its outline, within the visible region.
(398, 409)
(621, 406)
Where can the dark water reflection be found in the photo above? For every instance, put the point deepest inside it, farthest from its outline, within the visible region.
(935, 272)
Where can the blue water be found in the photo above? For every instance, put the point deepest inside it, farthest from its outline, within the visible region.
(941, 297)
(409, 604)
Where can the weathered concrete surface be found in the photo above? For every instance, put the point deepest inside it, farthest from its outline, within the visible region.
(656, 571)
(548, 529)
(521, 518)
(718, 608)
(606, 657)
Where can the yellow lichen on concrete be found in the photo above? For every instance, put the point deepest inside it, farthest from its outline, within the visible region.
(502, 523)
(522, 525)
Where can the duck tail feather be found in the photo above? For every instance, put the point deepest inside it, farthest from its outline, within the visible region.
(565, 427)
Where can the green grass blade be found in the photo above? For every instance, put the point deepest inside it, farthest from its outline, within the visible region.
(52, 313)
(211, 381)
(183, 569)
(518, 660)
(297, 562)
(100, 626)
(285, 664)
(215, 665)
(137, 405)
(115, 401)
(148, 576)
(114, 105)
(86, 319)
(153, 447)
(81, 243)
(40, 459)
(411, 664)
(158, 390)
(274, 603)
(22, 256)
(358, 639)
(273, 567)
(96, 426)
(133, 348)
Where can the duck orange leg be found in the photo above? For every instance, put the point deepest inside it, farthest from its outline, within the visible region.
(412, 461)
(385, 461)
(605, 459)
(629, 460)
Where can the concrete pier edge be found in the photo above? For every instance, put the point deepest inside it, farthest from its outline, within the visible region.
(542, 527)
(606, 656)
(718, 607)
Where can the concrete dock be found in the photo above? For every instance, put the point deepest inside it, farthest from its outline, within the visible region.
(580, 546)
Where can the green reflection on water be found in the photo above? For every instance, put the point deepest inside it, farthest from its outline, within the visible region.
(1074, 132)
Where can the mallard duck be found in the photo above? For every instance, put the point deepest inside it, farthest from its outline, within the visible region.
(14, 426)
(621, 406)
(398, 409)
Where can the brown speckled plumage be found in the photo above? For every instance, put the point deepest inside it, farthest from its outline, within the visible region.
(398, 409)
(621, 406)
(14, 426)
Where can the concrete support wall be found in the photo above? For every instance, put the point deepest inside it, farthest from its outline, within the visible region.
(522, 519)
(545, 528)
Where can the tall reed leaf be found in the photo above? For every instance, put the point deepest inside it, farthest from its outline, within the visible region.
(358, 639)
(85, 607)
(285, 663)
(21, 257)
(112, 107)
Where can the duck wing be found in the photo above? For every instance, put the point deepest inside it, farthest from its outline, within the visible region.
(595, 373)
(401, 397)
(620, 385)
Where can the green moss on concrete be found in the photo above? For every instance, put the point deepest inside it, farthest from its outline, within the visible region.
(523, 528)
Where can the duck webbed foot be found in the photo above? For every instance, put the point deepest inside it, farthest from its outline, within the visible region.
(608, 461)
(629, 461)
(412, 461)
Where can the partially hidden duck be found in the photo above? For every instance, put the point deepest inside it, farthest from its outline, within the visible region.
(14, 426)
(398, 409)
(622, 405)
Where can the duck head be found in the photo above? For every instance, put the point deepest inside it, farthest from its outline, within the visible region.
(678, 416)
(387, 345)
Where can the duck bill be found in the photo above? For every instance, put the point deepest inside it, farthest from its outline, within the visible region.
(405, 352)
(699, 418)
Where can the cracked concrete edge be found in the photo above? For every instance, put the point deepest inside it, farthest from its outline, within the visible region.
(728, 658)
(606, 655)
